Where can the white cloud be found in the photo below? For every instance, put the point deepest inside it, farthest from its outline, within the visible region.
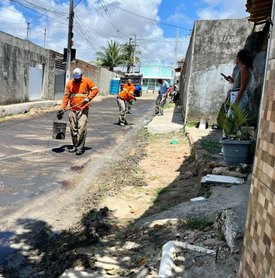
(223, 9)
(94, 27)
(13, 21)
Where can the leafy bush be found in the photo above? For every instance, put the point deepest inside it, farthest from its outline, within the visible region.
(234, 123)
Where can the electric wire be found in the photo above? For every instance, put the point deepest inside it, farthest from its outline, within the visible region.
(105, 9)
(36, 7)
(83, 33)
(77, 4)
(107, 20)
(154, 20)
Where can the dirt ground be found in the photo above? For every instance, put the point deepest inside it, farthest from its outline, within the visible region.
(158, 173)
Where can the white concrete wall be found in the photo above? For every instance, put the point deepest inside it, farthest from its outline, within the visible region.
(212, 50)
(16, 56)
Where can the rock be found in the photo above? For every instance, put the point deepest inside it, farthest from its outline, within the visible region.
(193, 236)
(232, 227)
(185, 176)
(226, 171)
(220, 170)
(188, 174)
(212, 242)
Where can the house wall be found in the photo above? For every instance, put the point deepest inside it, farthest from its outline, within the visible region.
(154, 72)
(212, 51)
(258, 256)
(16, 57)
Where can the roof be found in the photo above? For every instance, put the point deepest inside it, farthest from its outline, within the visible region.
(259, 10)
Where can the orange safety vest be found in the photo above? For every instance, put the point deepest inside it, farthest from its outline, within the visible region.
(76, 92)
(127, 92)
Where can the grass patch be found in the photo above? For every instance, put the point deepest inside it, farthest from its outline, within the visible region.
(207, 156)
(138, 173)
(169, 105)
(221, 235)
(194, 223)
(205, 191)
(211, 145)
(191, 124)
(156, 195)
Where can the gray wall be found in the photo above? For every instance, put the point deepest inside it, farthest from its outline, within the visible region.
(212, 50)
(16, 56)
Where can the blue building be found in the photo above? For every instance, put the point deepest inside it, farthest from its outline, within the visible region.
(152, 73)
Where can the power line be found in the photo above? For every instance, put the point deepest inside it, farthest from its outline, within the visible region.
(5, 8)
(166, 40)
(77, 4)
(35, 7)
(47, 11)
(81, 30)
(109, 15)
(154, 20)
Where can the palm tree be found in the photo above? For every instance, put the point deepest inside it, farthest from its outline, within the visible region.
(129, 55)
(110, 56)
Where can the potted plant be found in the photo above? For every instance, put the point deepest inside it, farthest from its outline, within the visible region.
(237, 140)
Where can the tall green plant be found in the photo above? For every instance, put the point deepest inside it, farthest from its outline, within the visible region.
(234, 124)
(130, 55)
(110, 56)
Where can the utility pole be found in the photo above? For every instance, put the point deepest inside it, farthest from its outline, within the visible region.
(45, 33)
(134, 59)
(176, 47)
(69, 45)
(129, 55)
(28, 31)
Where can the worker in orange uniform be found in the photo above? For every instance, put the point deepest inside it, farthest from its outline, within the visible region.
(126, 95)
(78, 94)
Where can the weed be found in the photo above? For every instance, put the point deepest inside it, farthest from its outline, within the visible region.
(205, 191)
(119, 236)
(207, 156)
(169, 105)
(196, 223)
(211, 145)
(138, 173)
(156, 195)
(143, 133)
(191, 124)
(221, 235)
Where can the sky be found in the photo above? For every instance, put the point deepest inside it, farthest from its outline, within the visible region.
(160, 29)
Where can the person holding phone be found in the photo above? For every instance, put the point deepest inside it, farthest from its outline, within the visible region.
(239, 91)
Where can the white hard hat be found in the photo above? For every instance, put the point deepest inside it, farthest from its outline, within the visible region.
(77, 73)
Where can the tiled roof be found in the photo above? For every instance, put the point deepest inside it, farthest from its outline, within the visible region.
(259, 10)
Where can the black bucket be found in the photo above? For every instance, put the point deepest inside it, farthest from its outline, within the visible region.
(59, 130)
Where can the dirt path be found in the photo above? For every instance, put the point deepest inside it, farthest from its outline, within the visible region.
(154, 182)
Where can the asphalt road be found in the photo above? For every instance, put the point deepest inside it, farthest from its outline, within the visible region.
(33, 164)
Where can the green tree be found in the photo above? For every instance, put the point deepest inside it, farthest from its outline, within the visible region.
(110, 56)
(130, 56)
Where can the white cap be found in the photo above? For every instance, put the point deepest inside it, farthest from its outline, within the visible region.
(77, 73)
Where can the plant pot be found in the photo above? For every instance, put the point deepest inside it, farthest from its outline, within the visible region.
(235, 151)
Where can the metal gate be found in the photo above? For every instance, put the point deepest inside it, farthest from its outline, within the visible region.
(35, 82)
(59, 83)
